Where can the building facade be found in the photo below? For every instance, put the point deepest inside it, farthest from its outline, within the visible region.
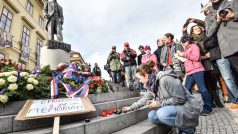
(76, 58)
(22, 31)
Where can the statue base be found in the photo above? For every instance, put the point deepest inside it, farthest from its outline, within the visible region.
(53, 57)
(52, 44)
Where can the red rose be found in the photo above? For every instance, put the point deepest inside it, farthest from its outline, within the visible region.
(109, 112)
(92, 86)
(9, 60)
(104, 113)
(85, 70)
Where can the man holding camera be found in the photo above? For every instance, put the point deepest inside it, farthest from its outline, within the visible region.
(115, 65)
(128, 57)
(222, 22)
(226, 26)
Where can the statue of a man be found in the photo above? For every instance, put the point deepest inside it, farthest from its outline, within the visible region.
(53, 12)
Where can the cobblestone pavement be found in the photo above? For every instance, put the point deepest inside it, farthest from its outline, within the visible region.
(222, 121)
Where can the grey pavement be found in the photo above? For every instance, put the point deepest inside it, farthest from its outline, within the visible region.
(222, 121)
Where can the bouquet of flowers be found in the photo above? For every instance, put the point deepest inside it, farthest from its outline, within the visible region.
(98, 85)
(14, 81)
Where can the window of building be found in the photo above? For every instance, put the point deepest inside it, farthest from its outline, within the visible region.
(41, 22)
(38, 51)
(25, 36)
(75, 55)
(6, 20)
(2, 56)
(29, 7)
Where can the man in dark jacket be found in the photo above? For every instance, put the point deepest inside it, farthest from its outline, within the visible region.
(128, 57)
(167, 57)
(225, 28)
(157, 53)
(141, 49)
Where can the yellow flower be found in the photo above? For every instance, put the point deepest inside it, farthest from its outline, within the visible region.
(29, 87)
(30, 80)
(35, 82)
(12, 79)
(13, 87)
(3, 98)
(2, 82)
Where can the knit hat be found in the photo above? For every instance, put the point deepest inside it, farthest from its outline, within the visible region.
(126, 44)
(147, 47)
(114, 47)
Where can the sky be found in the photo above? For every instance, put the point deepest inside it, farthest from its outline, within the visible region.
(92, 27)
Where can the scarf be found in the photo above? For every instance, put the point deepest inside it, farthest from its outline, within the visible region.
(217, 5)
(151, 84)
(199, 40)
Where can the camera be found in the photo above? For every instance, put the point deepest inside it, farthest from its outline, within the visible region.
(113, 52)
(222, 13)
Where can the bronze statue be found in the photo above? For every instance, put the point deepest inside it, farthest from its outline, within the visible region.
(53, 12)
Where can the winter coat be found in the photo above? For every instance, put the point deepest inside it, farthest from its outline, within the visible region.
(171, 92)
(157, 52)
(199, 39)
(164, 56)
(97, 71)
(211, 44)
(193, 64)
(139, 58)
(114, 61)
(131, 54)
(152, 57)
(227, 32)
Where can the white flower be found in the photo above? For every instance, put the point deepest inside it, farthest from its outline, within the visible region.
(23, 74)
(2, 74)
(99, 90)
(35, 82)
(2, 82)
(29, 87)
(14, 72)
(12, 79)
(30, 80)
(32, 76)
(13, 87)
(3, 98)
(7, 73)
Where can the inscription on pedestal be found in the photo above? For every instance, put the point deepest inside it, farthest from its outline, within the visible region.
(59, 45)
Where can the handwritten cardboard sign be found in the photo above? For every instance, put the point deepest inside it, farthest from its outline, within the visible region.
(55, 107)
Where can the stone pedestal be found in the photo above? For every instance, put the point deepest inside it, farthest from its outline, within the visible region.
(53, 57)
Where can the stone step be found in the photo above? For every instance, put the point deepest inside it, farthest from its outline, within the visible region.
(8, 124)
(145, 127)
(99, 125)
(14, 107)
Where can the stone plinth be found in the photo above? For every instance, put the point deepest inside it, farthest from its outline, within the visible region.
(53, 57)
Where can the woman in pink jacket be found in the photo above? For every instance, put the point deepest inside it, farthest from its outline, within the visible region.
(195, 71)
(148, 57)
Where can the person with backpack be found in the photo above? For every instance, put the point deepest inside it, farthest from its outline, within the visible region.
(172, 104)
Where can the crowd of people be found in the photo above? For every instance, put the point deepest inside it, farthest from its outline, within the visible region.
(205, 61)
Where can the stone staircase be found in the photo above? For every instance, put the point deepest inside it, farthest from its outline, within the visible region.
(125, 123)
